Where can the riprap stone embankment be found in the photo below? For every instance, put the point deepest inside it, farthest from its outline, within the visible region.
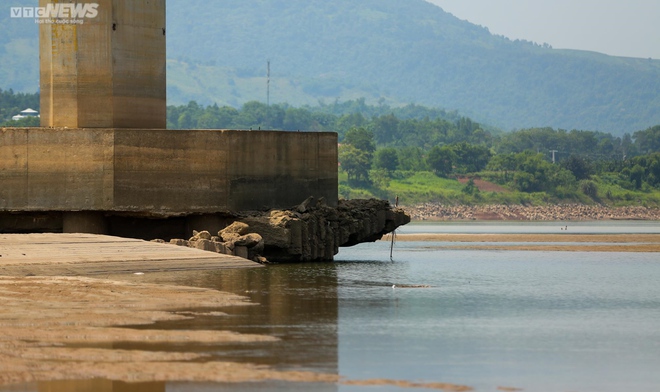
(563, 212)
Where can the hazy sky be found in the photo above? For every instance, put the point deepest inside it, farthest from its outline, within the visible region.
(615, 27)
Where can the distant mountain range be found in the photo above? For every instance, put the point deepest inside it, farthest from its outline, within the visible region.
(393, 51)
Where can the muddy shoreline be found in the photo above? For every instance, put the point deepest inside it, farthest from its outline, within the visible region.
(541, 242)
(65, 328)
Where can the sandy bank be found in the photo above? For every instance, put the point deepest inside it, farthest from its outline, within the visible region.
(64, 328)
(46, 319)
(548, 242)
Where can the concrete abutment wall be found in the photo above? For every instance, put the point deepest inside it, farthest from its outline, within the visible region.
(163, 173)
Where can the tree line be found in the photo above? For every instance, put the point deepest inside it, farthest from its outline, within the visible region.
(379, 142)
(565, 165)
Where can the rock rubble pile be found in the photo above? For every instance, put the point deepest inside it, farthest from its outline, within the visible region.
(311, 231)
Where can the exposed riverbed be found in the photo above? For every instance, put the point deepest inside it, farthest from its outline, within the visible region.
(461, 307)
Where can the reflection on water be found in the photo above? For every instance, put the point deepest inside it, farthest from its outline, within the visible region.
(99, 386)
(296, 303)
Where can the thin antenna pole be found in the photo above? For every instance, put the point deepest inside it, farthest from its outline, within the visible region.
(268, 85)
(396, 204)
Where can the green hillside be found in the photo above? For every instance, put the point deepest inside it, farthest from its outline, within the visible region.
(391, 51)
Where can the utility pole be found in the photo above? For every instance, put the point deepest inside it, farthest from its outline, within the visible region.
(553, 155)
(268, 85)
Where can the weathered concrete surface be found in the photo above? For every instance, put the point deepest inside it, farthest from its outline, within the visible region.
(88, 254)
(163, 173)
(313, 231)
(56, 169)
(108, 71)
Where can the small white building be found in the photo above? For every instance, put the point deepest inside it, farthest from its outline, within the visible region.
(26, 113)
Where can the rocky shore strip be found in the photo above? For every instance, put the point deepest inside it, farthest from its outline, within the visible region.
(562, 212)
(311, 231)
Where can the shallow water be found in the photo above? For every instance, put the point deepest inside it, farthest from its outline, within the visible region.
(516, 227)
(540, 321)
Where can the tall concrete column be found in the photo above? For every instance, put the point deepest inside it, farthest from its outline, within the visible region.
(103, 64)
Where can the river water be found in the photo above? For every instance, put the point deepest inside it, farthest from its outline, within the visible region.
(488, 319)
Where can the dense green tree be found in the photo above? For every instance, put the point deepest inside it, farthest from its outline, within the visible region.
(411, 159)
(187, 121)
(637, 176)
(361, 138)
(533, 173)
(580, 167)
(348, 121)
(628, 148)
(324, 121)
(356, 153)
(525, 182)
(505, 163)
(355, 162)
(210, 118)
(645, 168)
(648, 141)
(594, 145)
(464, 129)
(214, 117)
(653, 176)
(386, 129)
(389, 130)
(226, 116)
(298, 119)
(387, 159)
(442, 160)
(470, 158)
(256, 115)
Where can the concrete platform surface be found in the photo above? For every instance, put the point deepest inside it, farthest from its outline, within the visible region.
(90, 254)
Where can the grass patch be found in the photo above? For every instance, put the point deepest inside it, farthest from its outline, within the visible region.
(425, 187)
(616, 191)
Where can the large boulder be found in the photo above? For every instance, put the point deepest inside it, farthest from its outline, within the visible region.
(237, 227)
(250, 240)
